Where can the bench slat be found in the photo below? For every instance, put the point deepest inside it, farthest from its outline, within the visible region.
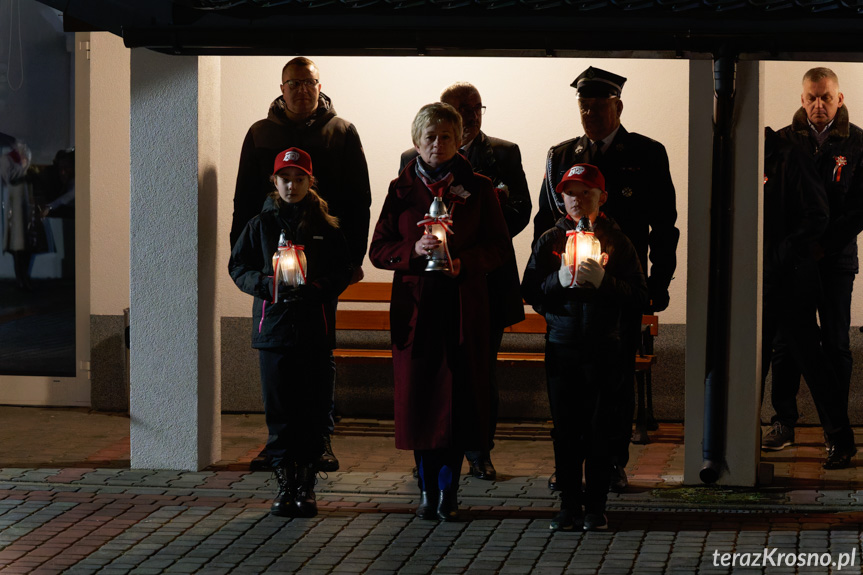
(642, 362)
(367, 292)
(379, 320)
(367, 319)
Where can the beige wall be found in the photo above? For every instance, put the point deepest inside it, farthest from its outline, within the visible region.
(109, 175)
(529, 102)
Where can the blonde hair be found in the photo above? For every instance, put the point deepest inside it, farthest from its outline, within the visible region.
(436, 113)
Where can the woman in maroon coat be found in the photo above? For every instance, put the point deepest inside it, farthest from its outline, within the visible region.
(440, 319)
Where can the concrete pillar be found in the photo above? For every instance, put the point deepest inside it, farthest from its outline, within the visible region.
(174, 399)
(742, 431)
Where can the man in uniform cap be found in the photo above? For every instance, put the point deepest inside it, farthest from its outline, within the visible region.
(641, 200)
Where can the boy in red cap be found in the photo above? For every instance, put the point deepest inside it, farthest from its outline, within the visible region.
(583, 305)
(293, 326)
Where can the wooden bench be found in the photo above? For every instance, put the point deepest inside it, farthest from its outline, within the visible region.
(379, 320)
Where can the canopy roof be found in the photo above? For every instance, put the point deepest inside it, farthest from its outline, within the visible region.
(752, 29)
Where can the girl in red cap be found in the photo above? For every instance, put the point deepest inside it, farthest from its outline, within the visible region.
(293, 327)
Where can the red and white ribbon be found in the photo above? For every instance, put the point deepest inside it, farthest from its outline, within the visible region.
(837, 169)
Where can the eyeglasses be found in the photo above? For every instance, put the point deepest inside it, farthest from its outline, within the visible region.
(294, 84)
(478, 110)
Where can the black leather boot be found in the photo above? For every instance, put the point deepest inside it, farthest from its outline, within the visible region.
(447, 507)
(305, 498)
(283, 504)
(427, 508)
(328, 461)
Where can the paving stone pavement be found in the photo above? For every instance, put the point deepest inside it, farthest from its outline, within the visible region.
(61, 513)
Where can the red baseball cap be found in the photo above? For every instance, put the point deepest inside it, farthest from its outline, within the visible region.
(586, 173)
(293, 158)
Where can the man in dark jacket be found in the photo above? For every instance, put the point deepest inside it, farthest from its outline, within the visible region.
(641, 199)
(822, 129)
(500, 161)
(795, 217)
(305, 118)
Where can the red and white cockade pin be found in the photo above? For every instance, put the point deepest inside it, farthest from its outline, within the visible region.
(837, 170)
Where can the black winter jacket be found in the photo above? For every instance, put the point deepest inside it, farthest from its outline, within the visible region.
(307, 316)
(641, 199)
(579, 315)
(842, 149)
(795, 213)
(338, 163)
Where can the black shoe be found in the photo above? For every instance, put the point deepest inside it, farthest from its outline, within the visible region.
(284, 504)
(552, 482)
(839, 457)
(595, 522)
(779, 436)
(262, 462)
(447, 507)
(618, 482)
(567, 520)
(482, 468)
(328, 461)
(427, 508)
(305, 499)
(640, 436)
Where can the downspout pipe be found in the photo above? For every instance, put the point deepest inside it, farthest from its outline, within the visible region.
(719, 283)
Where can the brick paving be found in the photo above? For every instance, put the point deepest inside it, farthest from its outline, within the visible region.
(74, 506)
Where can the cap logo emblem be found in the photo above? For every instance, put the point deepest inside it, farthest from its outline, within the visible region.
(291, 156)
(576, 171)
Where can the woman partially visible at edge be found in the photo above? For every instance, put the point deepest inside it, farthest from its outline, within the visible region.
(439, 320)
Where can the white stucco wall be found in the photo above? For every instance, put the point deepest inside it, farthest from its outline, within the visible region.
(174, 399)
(529, 102)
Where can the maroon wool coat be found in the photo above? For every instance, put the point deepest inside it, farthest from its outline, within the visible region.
(440, 325)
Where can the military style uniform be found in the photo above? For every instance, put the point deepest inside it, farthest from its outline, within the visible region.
(641, 199)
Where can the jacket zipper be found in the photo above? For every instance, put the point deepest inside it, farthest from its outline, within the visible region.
(326, 326)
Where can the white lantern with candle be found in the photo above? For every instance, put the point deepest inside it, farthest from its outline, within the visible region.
(437, 222)
(581, 245)
(289, 265)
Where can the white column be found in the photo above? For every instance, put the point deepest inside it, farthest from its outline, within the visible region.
(174, 403)
(742, 431)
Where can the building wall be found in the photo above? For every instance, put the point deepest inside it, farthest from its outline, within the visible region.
(529, 102)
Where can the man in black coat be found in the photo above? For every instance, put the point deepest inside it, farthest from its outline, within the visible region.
(500, 161)
(641, 199)
(822, 129)
(796, 214)
(304, 117)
